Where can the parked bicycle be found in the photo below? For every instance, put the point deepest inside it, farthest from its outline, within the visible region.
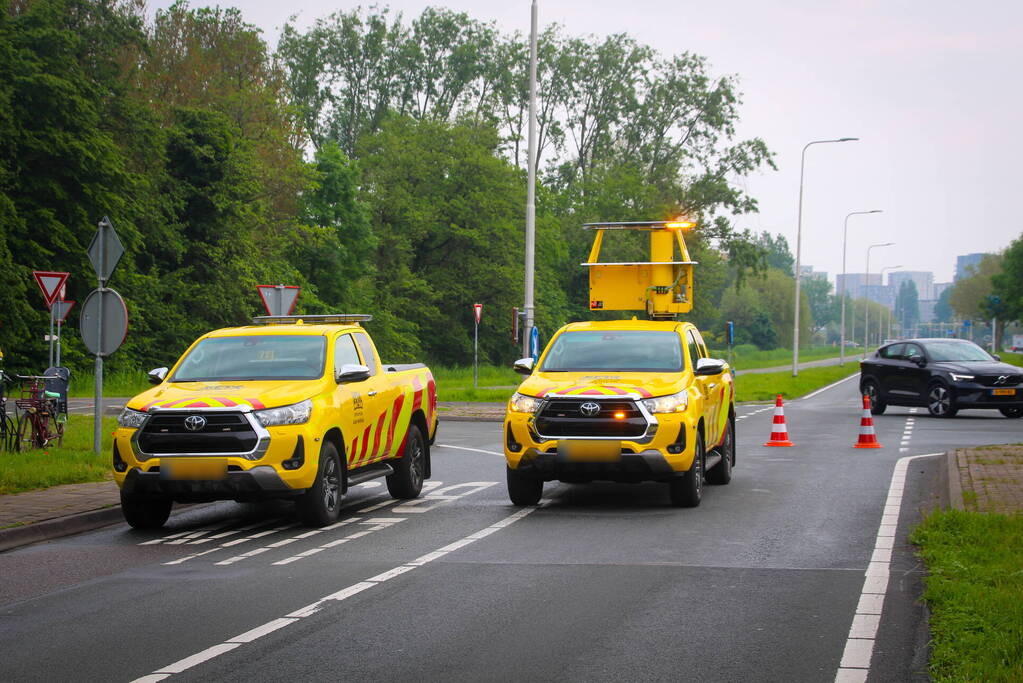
(41, 422)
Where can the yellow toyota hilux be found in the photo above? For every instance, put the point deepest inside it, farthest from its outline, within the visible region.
(625, 400)
(290, 407)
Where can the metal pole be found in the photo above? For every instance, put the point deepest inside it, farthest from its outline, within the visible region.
(531, 187)
(97, 414)
(799, 244)
(994, 326)
(845, 282)
(58, 343)
(51, 335)
(880, 323)
(476, 355)
(866, 306)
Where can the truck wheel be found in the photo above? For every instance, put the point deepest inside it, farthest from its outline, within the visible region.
(145, 513)
(407, 480)
(722, 473)
(871, 391)
(321, 504)
(687, 491)
(523, 489)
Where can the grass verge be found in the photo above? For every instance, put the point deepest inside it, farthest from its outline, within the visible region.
(120, 383)
(72, 463)
(766, 386)
(974, 589)
(1011, 358)
(750, 360)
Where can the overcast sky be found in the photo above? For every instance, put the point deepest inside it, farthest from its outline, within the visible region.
(932, 88)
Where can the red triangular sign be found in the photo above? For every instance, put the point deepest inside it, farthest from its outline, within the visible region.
(477, 310)
(50, 283)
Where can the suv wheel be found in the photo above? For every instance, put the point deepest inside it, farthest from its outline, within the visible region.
(1011, 412)
(687, 491)
(321, 504)
(145, 513)
(523, 489)
(722, 472)
(409, 470)
(940, 401)
(873, 392)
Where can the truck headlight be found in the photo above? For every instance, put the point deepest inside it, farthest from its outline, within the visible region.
(520, 403)
(668, 404)
(295, 414)
(960, 378)
(132, 419)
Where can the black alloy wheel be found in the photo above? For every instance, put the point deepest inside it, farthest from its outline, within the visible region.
(940, 401)
(321, 504)
(721, 473)
(1013, 412)
(872, 392)
(410, 469)
(687, 491)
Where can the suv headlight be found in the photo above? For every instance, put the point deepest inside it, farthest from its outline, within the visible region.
(131, 418)
(520, 403)
(960, 378)
(668, 404)
(295, 414)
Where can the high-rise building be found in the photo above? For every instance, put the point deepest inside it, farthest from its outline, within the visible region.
(924, 281)
(854, 283)
(808, 272)
(940, 287)
(964, 262)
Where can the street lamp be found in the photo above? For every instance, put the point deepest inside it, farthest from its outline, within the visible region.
(866, 304)
(845, 235)
(879, 322)
(799, 244)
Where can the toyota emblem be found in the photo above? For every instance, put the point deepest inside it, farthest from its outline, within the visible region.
(590, 409)
(195, 423)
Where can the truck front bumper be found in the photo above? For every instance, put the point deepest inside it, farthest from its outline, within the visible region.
(258, 483)
(647, 465)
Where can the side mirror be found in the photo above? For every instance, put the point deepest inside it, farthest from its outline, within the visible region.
(523, 366)
(920, 361)
(996, 356)
(709, 366)
(157, 375)
(352, 373)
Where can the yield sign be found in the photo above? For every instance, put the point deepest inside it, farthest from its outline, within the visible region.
(61, 309)
(278, 299)
(477, 310)
(50, 283)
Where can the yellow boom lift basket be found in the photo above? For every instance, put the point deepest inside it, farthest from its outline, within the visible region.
(662, 286)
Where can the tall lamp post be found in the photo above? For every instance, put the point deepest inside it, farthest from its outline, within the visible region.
(880, 323)
(527, 330)
(866, 307)
(845, 235)
(799, 244)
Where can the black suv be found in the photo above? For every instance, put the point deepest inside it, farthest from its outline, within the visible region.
(946, 375)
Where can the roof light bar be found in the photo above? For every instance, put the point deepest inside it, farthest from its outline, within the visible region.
(641, 225)
(327, 319)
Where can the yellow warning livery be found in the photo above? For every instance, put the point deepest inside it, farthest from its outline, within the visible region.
(290, 407)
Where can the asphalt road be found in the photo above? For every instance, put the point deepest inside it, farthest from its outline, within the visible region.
(765, 581)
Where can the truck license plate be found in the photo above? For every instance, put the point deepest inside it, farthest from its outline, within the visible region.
(194, 470)
(1003, 392)
(591, 451)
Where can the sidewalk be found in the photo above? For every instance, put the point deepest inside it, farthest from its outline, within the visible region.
(983, 479)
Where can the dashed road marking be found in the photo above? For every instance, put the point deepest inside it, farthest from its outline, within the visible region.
(343, 594)
(859, 645)
(474, 450)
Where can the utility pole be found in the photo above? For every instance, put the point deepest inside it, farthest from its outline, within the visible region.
(531, 188)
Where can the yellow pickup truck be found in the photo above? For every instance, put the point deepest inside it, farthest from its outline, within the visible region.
(289, 407)
(626, 400)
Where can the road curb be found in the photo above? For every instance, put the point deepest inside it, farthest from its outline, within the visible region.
(47, 530)
(955, 486)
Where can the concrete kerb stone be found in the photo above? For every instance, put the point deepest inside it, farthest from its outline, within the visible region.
(955, 485)
(47, 530)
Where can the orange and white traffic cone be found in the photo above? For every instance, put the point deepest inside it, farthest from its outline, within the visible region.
(868, 439)
(779, 433)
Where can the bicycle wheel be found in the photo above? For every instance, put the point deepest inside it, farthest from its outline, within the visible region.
(24, 440)
(8, 432)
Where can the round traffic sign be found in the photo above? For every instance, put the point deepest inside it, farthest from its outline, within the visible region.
(104, 334)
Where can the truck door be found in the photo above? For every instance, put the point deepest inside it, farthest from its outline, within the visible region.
(358, 403)
(707, 386)
(382, 390)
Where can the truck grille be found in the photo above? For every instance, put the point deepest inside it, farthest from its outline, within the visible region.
(222, 433)
(564, 417)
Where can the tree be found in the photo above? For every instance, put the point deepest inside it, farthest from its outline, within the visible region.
(943, 308)
(818, 296)
(907, 305)
(969, 294)
(1008, 284)
(777, 252)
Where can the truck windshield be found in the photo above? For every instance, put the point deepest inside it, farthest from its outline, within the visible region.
(621, 351)
(253, 357)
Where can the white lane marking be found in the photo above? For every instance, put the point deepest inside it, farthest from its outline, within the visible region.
(859, 645)
(228, 544)
(309, 610)
(286, 541)
(185, 536)
(474, 450)
(377, 524)
(830, 386)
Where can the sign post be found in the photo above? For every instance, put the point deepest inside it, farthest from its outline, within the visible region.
(104, 323)
(731, 339)
(477, 312)
(60, 310)
(52, 285)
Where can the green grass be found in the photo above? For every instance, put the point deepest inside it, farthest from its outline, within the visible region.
(1011, 358)
(974, 589)
(72, 463)
(122, 384)
(766, 386)
(743, 359)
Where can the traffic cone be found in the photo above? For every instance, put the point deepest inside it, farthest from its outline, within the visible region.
(779, 434)
(868, 439)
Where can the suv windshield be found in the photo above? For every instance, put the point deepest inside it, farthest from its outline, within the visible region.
(254, 357)
(622, 351)
(956, 351)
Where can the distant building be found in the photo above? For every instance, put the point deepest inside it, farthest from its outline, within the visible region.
(855, 283)
(808, 272)
(926, 307)
(939, 288)
(964, 262)
(880, 293)
(924, 281)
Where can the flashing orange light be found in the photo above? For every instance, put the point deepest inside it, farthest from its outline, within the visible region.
(619, 415)
(681, 224)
